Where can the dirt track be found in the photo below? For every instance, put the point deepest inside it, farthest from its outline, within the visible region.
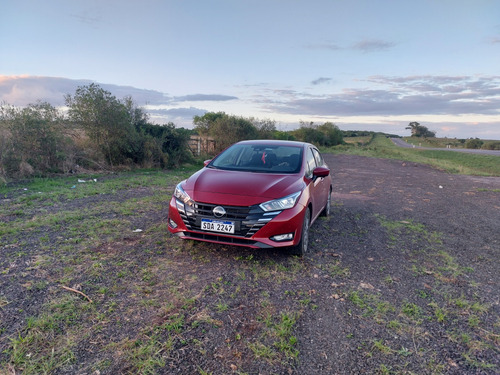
(464, 210)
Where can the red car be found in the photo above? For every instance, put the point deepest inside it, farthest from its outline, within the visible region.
(259, 194)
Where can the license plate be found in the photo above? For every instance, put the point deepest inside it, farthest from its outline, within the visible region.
(217, 226)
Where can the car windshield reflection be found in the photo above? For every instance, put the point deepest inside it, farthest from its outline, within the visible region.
(259, 158)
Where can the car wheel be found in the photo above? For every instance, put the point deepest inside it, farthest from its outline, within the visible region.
(301, 248)
(328, 207)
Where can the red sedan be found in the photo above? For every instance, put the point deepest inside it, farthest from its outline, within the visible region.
(259, 194)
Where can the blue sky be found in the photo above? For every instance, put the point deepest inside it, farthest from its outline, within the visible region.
(366, 65)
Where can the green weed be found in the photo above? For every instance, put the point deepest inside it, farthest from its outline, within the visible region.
(47, 341)
(380, 346)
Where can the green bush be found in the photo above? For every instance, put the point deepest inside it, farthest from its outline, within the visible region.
(34, 141)
(492, 145)
(166, 144)
(326, 135)
(473, 143)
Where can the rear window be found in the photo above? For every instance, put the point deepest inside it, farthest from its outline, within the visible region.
(259, 158)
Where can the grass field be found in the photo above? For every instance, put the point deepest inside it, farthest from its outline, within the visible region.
(83, 291)
(454, 162)
(362, 140)
(444, 142)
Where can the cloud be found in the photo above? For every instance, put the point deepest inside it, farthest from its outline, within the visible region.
(486, 129)
(393, 96)
(177, 112)
(373, 45)
(367, 45)
(204, 97)
(321, 80)
(24, 90)
(324, 46)
(180, 116)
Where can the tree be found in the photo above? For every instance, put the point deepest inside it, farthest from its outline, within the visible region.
(332, 134)
(308, 132)
(106, 121)
(327, 134)
(265, 128)
(413, 126)
(138, 115)
(225, 129)
(203, 124)
(34, 140)
(418, 130)
(284, 135)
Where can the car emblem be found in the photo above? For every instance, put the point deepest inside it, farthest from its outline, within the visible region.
(219, 211)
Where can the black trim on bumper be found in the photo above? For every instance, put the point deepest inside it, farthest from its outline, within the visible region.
(209, 237)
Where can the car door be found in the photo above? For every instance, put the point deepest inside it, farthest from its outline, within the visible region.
(316, 186)
(324, 184)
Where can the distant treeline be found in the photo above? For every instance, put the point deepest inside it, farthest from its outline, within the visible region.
(100, 132)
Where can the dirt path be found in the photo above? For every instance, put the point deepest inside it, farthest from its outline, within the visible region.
(418, 202)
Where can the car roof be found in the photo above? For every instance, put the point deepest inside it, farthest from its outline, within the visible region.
(275, 142)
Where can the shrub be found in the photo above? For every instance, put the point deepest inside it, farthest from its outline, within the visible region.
(473, 143)
(492, 145)
(34, 140)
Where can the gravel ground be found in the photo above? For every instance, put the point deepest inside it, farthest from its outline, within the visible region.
(402, 278)
(464, 210)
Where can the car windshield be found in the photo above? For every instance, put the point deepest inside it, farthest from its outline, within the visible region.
(260, 158)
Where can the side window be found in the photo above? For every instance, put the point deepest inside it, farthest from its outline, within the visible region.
(311, 163)
(318, 157)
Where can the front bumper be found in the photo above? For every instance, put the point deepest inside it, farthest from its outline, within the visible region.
(253, 227)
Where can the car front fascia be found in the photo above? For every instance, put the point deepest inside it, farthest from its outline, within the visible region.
(286, 221)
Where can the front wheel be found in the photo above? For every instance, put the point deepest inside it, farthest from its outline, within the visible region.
(301, 248)
(328, 207)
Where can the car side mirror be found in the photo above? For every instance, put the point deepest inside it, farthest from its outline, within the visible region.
(320, 172)
(206, 162)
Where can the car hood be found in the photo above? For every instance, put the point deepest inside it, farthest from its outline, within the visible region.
(236, 188)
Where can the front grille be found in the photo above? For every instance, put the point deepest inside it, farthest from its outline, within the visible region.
(248, 220)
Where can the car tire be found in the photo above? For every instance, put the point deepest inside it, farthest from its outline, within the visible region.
(302, 247)
(328, 207)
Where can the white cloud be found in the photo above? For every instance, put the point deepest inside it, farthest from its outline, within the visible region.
(204, 97)
(23, 90)
(423, 95)
(182, 117)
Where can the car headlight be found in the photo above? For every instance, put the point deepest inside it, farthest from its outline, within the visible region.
(281, 203)
(180, 194)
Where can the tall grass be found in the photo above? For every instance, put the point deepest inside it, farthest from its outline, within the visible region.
(453, 162)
